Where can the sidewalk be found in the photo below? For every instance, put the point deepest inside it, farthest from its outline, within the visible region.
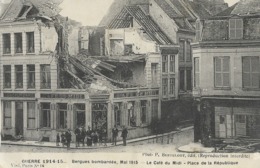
(73, 145)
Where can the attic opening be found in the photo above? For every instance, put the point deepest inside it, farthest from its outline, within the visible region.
(24, 10)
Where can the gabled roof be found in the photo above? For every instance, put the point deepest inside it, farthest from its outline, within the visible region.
(228, 11)
(123, 20)
(168, 9)
(19, 8)
(182, 7)
(198, 9)
(246, 7)
(243, 7)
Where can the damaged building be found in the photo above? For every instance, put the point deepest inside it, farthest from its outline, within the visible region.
(179, 21)
(54, 78)
(226, 69)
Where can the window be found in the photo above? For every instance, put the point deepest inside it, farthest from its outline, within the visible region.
(30, 42)
(164, 86)
(154, 74)
(30, 114)
(18, 42)
(196, 72)
(31, 76)
(222, 74)
(182, 80)
(6, 43)
(236, 28)
(18, 76)
(45, 77)
(182, 50)
(188, 80)
(172, 63)
(131, 114)
(143, 111)
(117, 113)
(240, 119)
(251, 72)
(155, 109)
(188, 51)
(198, 30)
(172, 86)
(80, 115)
(45, 115)
(222, 119)
(165, 63)
(7, 76)
(7, 114)
(62, 116)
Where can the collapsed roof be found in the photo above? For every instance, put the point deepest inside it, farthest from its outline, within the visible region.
(123, 20)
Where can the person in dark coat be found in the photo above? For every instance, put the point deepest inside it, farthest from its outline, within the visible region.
(57, 139)
(77, 133)
(63, 139)
(124, 135)
(83, 135)
(100, 137)
(114, 135)
(88, 135)
(94, 136)
(68, 138)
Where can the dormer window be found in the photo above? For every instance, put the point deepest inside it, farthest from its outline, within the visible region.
(236, 28)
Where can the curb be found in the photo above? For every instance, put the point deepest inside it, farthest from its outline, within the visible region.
(120, 143)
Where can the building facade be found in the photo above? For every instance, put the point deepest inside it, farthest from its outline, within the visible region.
(34, 102)
(226, 74)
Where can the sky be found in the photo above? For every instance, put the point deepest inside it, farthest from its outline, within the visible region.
(90, 12)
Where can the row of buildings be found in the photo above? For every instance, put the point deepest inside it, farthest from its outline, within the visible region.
(147, 60)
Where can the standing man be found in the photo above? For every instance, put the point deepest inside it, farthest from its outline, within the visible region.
(114, 135)
(68, 138)
(77, 133)
(83, 135)
(124, 135)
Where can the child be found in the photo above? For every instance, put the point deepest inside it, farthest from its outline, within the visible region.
(57, 139)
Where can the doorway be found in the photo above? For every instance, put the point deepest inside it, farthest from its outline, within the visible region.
(99, 116)
(19, 118)
(80, 119)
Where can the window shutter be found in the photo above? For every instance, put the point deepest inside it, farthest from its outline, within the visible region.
(232, 28)
(255, 71)
(181, 51)
(239, 28)
(188, 56)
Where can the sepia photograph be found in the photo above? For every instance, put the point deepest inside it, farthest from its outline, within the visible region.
(177, 80)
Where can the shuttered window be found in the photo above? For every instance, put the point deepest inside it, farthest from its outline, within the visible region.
(251, 71)
(164, 86)
(198, 30)
(188, 51)
(196, 72)
(235, 28)
(31, 114)
(222, 71)
(182, 50)
(7, 114)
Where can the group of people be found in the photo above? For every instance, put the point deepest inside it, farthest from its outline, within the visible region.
(115, 135)
(89, 137)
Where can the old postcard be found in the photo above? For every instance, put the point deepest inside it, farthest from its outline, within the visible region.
(129, 83)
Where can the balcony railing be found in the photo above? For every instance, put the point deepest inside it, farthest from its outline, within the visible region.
(136, 92)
